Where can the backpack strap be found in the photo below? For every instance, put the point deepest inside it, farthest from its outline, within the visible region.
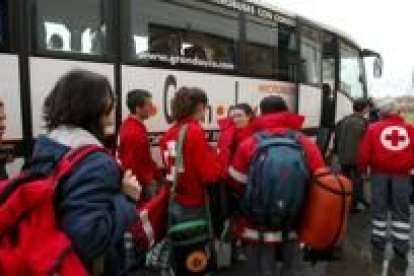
(73, 158)
(179, 160)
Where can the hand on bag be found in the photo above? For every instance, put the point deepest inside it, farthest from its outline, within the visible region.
(131, 186)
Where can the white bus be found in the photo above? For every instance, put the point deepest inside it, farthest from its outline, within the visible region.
(237, 51)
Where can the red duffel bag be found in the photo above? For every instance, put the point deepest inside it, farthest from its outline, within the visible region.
(325, 213)
(152, 224)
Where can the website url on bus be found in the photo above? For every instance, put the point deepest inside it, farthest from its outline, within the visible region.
(174, 60)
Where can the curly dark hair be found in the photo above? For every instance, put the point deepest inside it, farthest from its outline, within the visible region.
(185, 102)
(79, 99)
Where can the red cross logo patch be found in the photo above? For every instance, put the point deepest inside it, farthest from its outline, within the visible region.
(395, 138)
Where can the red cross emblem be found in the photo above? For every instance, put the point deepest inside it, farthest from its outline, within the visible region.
(395, 138)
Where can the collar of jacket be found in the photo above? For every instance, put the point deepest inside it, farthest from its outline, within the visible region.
(279, 120)
(73, 137)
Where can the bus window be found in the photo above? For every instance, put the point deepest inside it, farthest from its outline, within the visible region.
(351, 71)
(271, 49)
(311, 56)
(183, 33)
(3, 25)
(76, 26)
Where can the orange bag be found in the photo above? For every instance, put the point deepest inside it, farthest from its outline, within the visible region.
(326, 210)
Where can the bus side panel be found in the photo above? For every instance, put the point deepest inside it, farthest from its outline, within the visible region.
(44, 73)
(343, 106)
(310, 105)
(252, 91)
(10, 95)
(163, 84)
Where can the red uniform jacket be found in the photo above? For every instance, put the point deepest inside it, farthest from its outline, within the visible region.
(387, 147)
(134, 151)
(230, 137)
(202, 166)
(272, 123)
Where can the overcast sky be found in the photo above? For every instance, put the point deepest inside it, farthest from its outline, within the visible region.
(383, 26)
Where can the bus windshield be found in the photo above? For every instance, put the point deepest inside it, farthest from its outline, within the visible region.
(352, 74)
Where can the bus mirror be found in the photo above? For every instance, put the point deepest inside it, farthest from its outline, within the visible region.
(378, 63)
(378, 66)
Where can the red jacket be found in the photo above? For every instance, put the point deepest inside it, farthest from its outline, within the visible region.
(387, 147)
(230, 137)
(134, 151)
(202, 166)
(272, 123)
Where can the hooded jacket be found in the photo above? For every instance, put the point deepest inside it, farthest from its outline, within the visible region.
(89, 204)
(278, 123)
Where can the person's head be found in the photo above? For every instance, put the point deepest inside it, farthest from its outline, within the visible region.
(81, 99)
(189, 102)
(388, 107)
(360, 106)
(139, 103)
(241, 114)
(272, 104)
(2, 119)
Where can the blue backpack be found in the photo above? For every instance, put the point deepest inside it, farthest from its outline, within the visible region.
(277, 181)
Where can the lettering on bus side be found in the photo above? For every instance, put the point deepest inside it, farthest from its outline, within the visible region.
(170, 88)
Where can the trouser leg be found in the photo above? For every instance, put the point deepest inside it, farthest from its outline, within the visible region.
(379, 212)
(400, 215)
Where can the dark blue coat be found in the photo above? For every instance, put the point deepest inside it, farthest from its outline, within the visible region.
(90, 206)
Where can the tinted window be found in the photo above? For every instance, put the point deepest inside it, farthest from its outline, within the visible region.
(76, 26)
(271, 49)
(311, 55)
(3, 25)
(183, 33)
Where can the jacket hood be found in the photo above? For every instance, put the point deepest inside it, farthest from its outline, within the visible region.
(272, 122)
(52, 147)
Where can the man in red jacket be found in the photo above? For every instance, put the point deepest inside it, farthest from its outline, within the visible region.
(387, 149)
(275, 119)
(201, 165)
(134, 147)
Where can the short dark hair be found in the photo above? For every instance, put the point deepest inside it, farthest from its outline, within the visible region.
(79, 99)
(185, 102)
(272, 104)
(360, 105)
(246, 108)
(136, 98)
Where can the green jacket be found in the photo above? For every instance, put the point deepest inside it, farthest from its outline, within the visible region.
(349, 132)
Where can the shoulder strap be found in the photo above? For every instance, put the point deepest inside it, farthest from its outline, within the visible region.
(73, 157)
(179, 163)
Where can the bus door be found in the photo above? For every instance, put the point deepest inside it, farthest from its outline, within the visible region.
(310, 83)
(329, 65)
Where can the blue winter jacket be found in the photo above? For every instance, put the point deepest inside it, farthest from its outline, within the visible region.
(90, 206)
